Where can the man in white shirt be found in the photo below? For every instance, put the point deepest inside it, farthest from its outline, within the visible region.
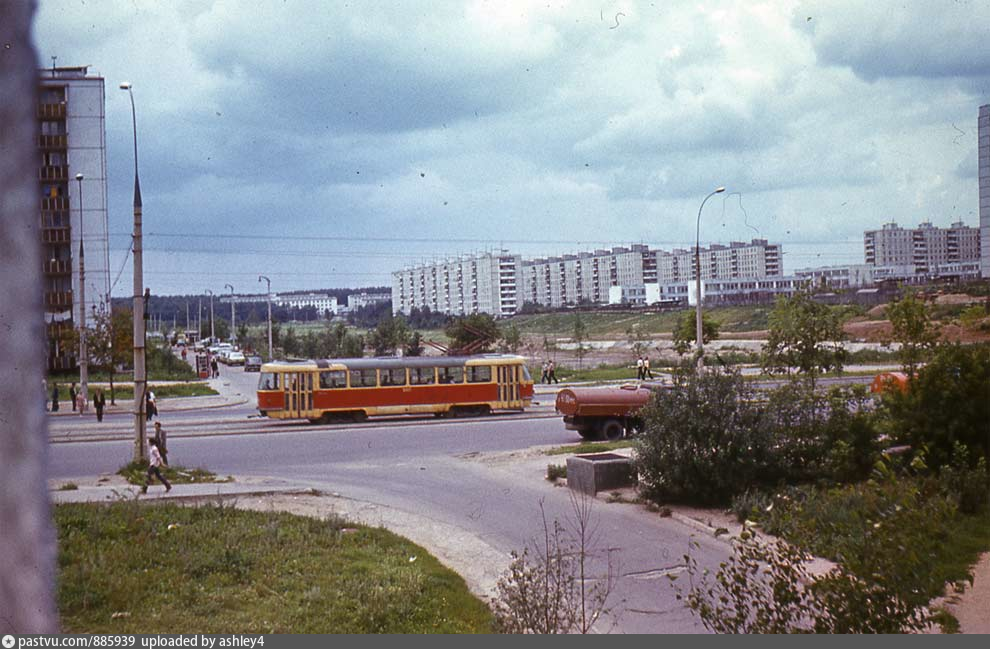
(154, 464)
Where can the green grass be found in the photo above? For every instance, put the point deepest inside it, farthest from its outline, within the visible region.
(135, 473)
(166, 391)
(69, 486)
(590, 447)
(131, 567)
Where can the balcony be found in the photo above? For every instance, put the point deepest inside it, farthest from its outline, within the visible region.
(58, 299)
(53, 204)
(51, 111)
(57, 267)
(59, 172)
(50, 142)
(56, 235)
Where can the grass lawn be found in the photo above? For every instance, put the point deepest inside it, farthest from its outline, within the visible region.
(171, 390)
(136, 472)
(132, 567)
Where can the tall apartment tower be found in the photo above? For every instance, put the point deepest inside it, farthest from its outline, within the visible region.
(983, 133)
(925, 250)
(485, 283)
(72, 141)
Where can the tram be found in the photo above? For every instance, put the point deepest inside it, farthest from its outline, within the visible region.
(353, 389)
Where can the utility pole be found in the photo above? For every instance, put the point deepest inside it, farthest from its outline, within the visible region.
(233, 330)
(83, 347)
(139, 305)
(271, 352)
(213, 335)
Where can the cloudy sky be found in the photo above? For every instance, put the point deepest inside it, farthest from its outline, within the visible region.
(326, 144)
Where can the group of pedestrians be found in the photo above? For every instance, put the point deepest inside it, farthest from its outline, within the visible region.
(549, 372)
(643, 368)
(78, 400)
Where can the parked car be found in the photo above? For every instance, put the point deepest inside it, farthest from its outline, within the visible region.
(252, 364)
(235, 358)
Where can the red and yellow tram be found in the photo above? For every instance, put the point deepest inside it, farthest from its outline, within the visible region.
(356, 388)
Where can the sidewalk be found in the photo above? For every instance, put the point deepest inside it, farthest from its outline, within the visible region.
(227, 396)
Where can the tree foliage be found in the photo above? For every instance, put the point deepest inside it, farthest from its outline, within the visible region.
(578, 337)
(686, 331)
(391, 334)
(913, 329)
(804, 334)
(469, 330)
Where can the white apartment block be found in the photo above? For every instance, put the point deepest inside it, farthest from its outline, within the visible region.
(485, 283)
(585, 277)
(925, 249)
(72, 141)
(321, 301)
(850, 276)
(360, 300)
(983, 133)
(755, 259)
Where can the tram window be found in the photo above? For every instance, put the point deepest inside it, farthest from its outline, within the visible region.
(395, 376)
(451, 374)
(333, 379)
(268, 381)
(422, 376)
(526, 375)
(479, 374)
(363, 379)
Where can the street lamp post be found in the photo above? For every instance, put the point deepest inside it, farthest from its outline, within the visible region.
(233, 331)
(140, 375)
(83, 348)
(697, 280)
(213, 335)
(271, 352)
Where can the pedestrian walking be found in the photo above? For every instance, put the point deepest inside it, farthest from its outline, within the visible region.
(646, 368)
(81, 403)
(639, 368)
(99, 403)
(215, 367)
(154, 467)
(55, 397)
(151, 405)
(552, 373)
(72, 396)
(160, 439)
(544, 377)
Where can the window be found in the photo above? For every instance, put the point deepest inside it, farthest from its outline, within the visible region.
(268, 381)
(422, 376)
(394, 376)
(479, 374)
(333, 379)
(451, 374)
(363, 379)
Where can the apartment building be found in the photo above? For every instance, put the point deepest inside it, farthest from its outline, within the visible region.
(758, 258)
(849, 276)
(483, 283)
(72, 142)
(584, 277)
(923, 251)
(360, 300)
(321, 301)
(983, 135)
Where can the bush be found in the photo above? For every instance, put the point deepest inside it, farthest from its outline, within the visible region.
(703, 441)
(947, 403)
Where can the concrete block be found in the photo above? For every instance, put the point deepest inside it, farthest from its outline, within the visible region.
(599, 472)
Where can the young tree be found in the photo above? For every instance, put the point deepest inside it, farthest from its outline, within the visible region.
(111, 340)
(686, 334)
(913, 329)
(511, 339)
(414, 347)
(477, 332)
(391, 333)
(804, 334)
(578, 336)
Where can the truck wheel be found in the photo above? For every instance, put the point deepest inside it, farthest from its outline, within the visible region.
(612, 430)
(588, 434)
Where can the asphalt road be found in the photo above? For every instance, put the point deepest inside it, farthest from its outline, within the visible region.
(480, 477)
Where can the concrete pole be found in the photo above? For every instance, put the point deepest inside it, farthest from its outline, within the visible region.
(271, 352)
(213, 335)
(83, 348)
(138, 305)
(233, 330)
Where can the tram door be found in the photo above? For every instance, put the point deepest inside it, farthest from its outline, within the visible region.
(297, 388)
(508, 384)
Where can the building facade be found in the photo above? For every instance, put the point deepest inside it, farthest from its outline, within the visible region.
(320, 301)
(926, 251)
(484, 283)
(72, 141)
(983, 133)
(359, 300)
(850, 276)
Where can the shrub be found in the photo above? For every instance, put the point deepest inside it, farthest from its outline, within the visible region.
(948, 402)
(556, 472)
(703, 441)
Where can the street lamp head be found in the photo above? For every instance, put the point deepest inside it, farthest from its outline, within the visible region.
(125, 85)
(79, 176)
(719, 190)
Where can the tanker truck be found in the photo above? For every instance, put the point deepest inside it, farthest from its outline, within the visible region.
(605, 413)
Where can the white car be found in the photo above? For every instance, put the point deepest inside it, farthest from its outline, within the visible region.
(235, 358)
